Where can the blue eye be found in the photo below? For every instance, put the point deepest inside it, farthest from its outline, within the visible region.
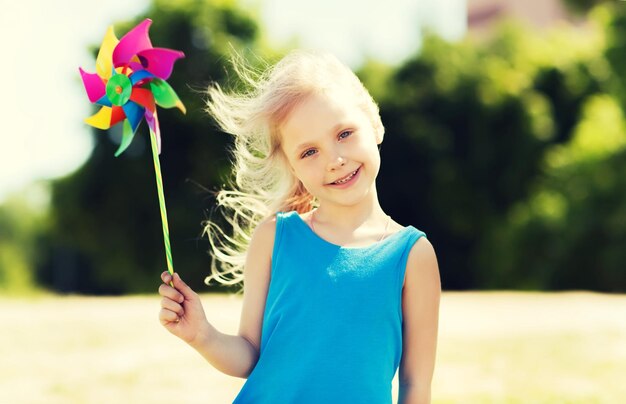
(346, 133)
(341, 136)
(308, 153)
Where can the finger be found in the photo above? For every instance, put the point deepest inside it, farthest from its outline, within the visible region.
(166, 277)
(182, 287)
(168, 316)
(169, 304)
(170, 292)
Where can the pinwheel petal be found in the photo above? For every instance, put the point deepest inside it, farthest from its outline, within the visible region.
(165, 96)
(104, 101)
(117, 115)
(101, 119)
(139, 75)
(134, 112)
(135, 65)
(94, 85)
(144, 98)
(135, 41)
(104, 65)
(159, 61)
(127, 138)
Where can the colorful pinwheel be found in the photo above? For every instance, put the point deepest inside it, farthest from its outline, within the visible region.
(128, 84)
(130, 78)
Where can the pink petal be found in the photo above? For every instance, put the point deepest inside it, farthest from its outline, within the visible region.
(93, 85)
(135, 66)
(160, 61)
(132, 43)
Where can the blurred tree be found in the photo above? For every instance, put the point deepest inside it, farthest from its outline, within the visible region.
(22, 221)
(467, 130)
(569, 232)
(583, 6)
(106, 235)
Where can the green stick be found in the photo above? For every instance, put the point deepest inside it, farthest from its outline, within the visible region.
(159, 182)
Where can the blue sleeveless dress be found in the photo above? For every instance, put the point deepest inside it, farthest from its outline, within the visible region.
(332, 326)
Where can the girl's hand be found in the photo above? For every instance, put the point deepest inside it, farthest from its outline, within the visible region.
(181, 310)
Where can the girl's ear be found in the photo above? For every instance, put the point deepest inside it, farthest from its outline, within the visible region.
(380, 135)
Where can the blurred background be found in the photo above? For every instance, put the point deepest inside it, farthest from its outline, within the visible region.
(505, 142)
(505, 136)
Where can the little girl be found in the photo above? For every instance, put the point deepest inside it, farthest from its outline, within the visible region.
(337, 295)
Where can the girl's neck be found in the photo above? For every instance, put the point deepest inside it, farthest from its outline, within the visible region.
(383, 234)
(346, 219)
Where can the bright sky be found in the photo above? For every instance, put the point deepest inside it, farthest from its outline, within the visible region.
(44, 42)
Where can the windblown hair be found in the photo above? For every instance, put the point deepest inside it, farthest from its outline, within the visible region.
(263, 180)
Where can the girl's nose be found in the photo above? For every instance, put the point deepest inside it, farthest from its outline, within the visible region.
(338, 162)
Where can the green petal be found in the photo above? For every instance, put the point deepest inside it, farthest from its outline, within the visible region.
(165, 96)
(127, 138)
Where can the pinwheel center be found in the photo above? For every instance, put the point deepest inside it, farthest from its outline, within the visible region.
(118, 89)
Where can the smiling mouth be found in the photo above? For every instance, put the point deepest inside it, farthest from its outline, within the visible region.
(346, 178)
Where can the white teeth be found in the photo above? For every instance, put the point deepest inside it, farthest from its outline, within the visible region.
(348, 178)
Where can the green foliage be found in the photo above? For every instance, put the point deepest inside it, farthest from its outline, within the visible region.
(471, 130)
(570, 232)
(376, 75)
(22, 223)
(582, 6)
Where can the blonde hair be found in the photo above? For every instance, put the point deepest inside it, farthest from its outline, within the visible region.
(263, 181)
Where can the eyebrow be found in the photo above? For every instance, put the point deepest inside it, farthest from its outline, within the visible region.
(334, 129)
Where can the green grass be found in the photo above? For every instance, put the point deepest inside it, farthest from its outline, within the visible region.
(493, 348)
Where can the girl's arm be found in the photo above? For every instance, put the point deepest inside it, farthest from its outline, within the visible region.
(420, 310)
(182, 313)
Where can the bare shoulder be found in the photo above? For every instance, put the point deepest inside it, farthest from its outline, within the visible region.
(422, 266)
(422, 250)
(266, 227)
(262, 240)
(259, 254)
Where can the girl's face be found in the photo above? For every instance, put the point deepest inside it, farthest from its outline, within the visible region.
(332, 148)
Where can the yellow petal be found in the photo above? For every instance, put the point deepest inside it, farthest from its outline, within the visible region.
(104, 61)
(101, 119)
